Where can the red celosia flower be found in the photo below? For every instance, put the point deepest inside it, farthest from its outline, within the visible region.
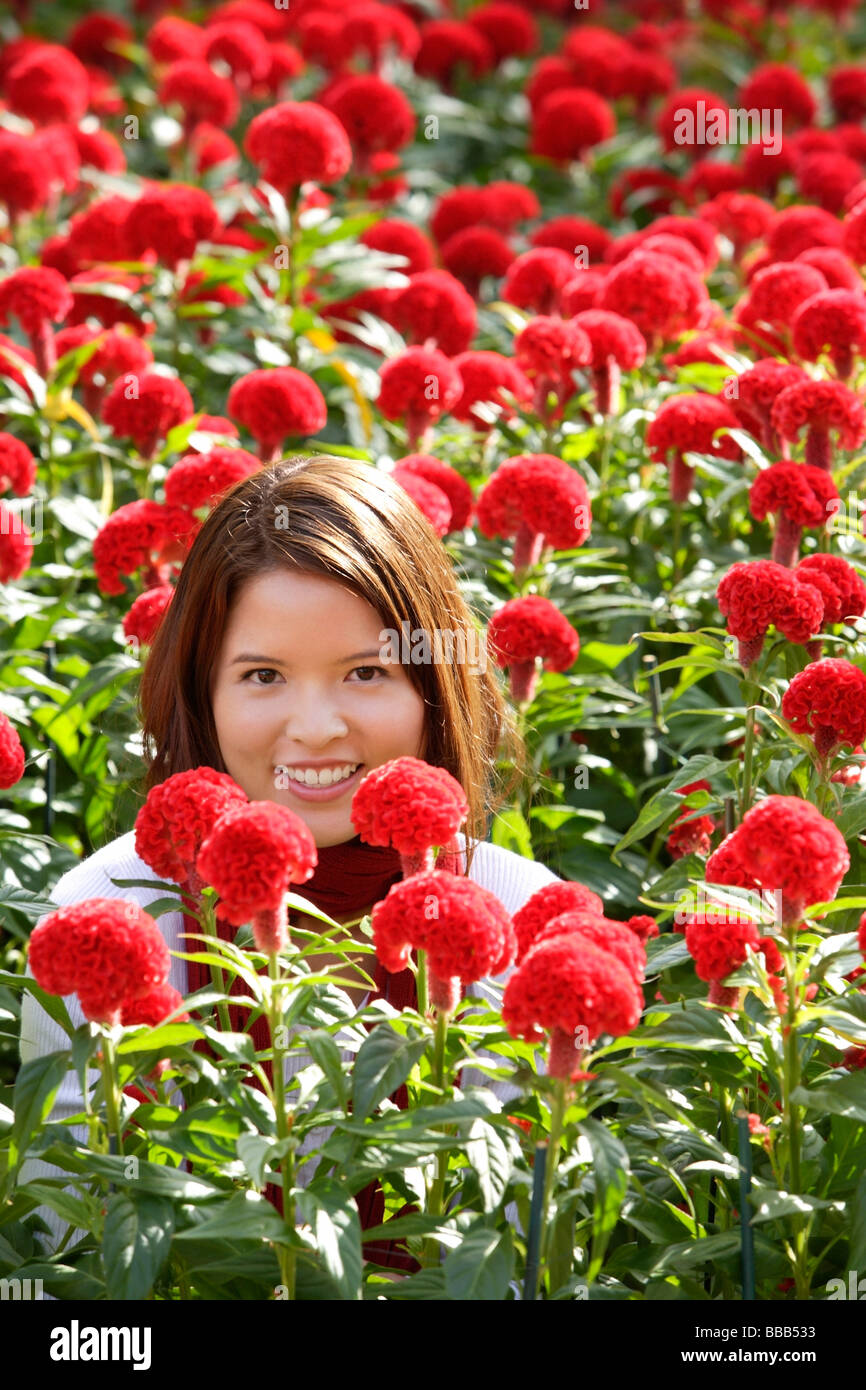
(463, 928)
(846, 88)
(418, 386)
(171, 219)
(667, 244)
(98, 149)
(756, 392)
(141, 533)
(296, 142)
(435, 310)
(566, 984)
(428, 497)
(91, 303)
(96, 39)
(548, 903)
(828, 701)
(172, 38)
(599, 56)
(707, 179)
(457, 209)
(841, 587)
(146, 614)
(12, 759)
(799, 228)
(320, 37)
(178, 816)
(629, 190)
(690, 834)
(689, 423)
(375, 114)
(861, 935)
(105, 950)
(120, 353)
(154, 1008)
(48, 84)
(603, 932)
(719, 948)
(250, 857)
(197, 480)
(660, 295)
(201, 93)
(549, 74)
(821, 406)
(144, 408)
(584, 291)
(17, 466)
(211, 146)
(834, 322)
(741, 217)
(474, 253)
(37, 297)
(760, 594)
(776, 292)
(373, 29)
(242, 47)
(617, 345)
(274, 403)
(549, 350)
(827, 179)
(16, 545)
(834, 265)
(485, 376)
(788, 846)
(525, 629)
(778, 87)
(509, 30)
(507, 203)
(449, 48)
(644, 928)
(399, 238)
(573, 235)
(102, 232)
(448, 480)
(24, 183)
(535, 279)
(569, 123)
(272, 22)
(799, 496)
(683, 115)
(538, 499)
(411, 806)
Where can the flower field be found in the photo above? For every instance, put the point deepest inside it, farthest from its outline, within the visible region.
(584, 285)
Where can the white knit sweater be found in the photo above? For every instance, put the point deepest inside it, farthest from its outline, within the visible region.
(509, 876)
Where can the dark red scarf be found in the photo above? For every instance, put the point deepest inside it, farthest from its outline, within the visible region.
(349, 878)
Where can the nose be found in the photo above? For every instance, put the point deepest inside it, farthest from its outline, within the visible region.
(313, 720)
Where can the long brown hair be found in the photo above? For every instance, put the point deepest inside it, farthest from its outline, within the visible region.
(351, 522)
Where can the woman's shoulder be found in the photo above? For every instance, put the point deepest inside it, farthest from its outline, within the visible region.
(511, 877)
(94, 876)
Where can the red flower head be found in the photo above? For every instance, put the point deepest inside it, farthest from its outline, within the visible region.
(777, 291)
(756, 392)
(799, 496)
(861, 935)
(741, 217)
(171, 219)
(776, 86)
(16, 545)
(197, 480)
(107, 951)
(398, 238)
(145, 408)
(286, 63)
(568, 123)
(846, 88)
(689, 423)
(375, 114)
(178, 816)
(411, 806)
(154, 1008)
(538, 499)
(24, 184)
(146, 614)
(96, 38)
(37, 297)
(102, 233)
(12, 759)
(297, 142)
(172, 38)
(827, 179)
(828, 701)
(690, 229)
(321, 39)
(273, 23)
(120, 353)
(201, 93)
(48, 84)
(608, 935)
(428, 497)
(644, 928)
(549, 350)
(841, 587)
(274, 403)
(760, 594)
(527, 628)
(617, 345)
(821, 406)
(211, 146)
(474, 253)
(485, 376)
(418, 386)
(800, 228)
(660, 295)
(631, 188)
(585, 291)
(448, 480)
(507, 203)
(463, 928)
(667, 244)
(93, 304)
(250, 857)
(786, 845)
(17, 466)
(449, 48)
(573, 234)
(457, 209)
(566, 984)
(834, 265)
(434, 308)
(719, 948)
(510, 31)
(141, 533)
(834, 322)
(549, 74)
(548, 903)
(708, 179)
(242, 47)
(535, 279)
(599, 56)
(680, 121)
(98, 149)
(371, 29)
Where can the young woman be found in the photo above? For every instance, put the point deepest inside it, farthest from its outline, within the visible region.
(276, 663)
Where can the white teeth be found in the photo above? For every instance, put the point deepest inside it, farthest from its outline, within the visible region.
(326, 778)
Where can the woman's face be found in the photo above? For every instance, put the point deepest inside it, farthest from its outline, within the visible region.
(299, 683)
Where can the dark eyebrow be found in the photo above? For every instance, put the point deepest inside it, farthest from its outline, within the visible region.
(247, 657)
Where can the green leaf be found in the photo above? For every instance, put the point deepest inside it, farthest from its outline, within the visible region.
(331, 1212)
(847, 1096)
(326, 1054)
(481, 1268)
(136, 1241)
(610, 1169)
(511, 831)
(36, 1085)
(245, 1216)
(383, 1063)
(491, 1161)
(665, 802)
(857, 1251)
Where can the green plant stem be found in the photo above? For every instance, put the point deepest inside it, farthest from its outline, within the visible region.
(421, 982)
(748, 750)
(557, 1116)
(285, 1255)
(112, 1098)
(437, 1192)
(791, 1111)
(216, 973)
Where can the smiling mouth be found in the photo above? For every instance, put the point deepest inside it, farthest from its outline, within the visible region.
(328, 779)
